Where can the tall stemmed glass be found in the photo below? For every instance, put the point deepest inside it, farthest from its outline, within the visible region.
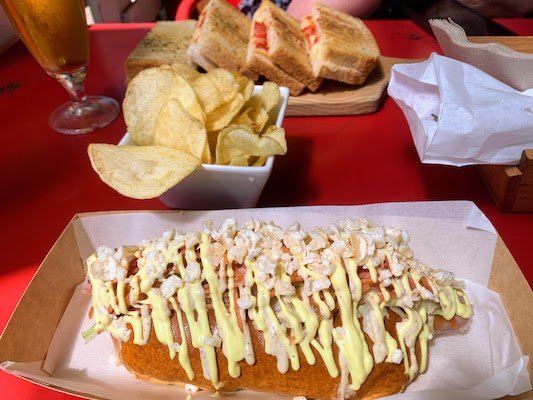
(56, 33)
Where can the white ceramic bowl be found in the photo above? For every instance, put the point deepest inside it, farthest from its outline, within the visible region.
(223, 186)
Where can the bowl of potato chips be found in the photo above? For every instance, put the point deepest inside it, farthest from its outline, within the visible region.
(195, 140)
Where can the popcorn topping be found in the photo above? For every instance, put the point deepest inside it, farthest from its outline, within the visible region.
(107, 266)
(170, 285)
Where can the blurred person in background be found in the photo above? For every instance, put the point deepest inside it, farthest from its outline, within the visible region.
(300, 8)
(8, 35)
(367, 8)
(500, 8)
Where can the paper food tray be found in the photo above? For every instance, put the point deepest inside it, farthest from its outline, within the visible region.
(486, 362)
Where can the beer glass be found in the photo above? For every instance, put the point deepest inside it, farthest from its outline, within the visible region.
(56, 34)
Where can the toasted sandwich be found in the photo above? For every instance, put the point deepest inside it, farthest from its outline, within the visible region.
(221, 39)
(277, 49)
(340, 46)
(166, 43)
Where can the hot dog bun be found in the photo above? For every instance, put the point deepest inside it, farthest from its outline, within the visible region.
(151, 362)
(343, 312)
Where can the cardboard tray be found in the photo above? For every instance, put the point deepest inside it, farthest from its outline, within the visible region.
(62, 270)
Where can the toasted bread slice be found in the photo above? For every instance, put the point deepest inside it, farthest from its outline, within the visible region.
(340, 46)
(221, 37)
(196, 55)
(166, 43)
(259, 61)
(286, 44)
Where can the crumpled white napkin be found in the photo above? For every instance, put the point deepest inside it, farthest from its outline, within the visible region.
(459, 115)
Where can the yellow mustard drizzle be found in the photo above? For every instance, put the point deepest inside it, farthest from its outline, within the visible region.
(355, 282)
(416, 279)
(304, 335)
(448, 304)
(330, 301)
(464, 308)
(408, 331)
(324, 348)
(233, 344)
(406, 286)
(351, 340)
(325, 311)
(398, 288)
(391, 344)
(183, 355)
(373, 271)
(423, 338)
(288, 321)
(276, 341)
(192, 300)
(161, 320)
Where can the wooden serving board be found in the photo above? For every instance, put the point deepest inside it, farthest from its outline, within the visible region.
(336, 98)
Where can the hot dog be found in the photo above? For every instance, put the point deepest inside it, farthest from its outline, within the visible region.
(341, 312)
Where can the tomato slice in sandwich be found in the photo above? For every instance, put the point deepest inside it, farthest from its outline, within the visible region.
(309, 31)
(260, 36)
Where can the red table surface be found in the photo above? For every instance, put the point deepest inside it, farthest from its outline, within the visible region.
(47, 178)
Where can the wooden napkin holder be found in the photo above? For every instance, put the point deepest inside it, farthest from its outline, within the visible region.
(511, 186)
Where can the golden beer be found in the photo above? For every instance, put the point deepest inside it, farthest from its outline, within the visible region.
(54, 31)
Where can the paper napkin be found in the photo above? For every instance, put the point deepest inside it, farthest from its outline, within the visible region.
(511, 67)
(460, 115)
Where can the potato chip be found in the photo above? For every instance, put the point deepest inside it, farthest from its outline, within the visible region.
(222, 116)
(278, 134)
(267, 98)
(225, 82)
(256, 118)
(243, 118)
(208, 94)
(140, 172)
(212, 138)
(185, 93)
(246, 86)
(239, 140)
(178, 129)
(206, 91)
(241, 161)
(187, 72)
(258, 161)
(207, 157)
(145, 95)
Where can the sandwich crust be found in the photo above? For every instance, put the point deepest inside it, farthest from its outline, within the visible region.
(259, 62)
(286, 44)
(221, 37)
(204, 62)
(166, 43)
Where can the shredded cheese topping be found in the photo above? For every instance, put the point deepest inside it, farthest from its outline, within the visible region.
(289, 283)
